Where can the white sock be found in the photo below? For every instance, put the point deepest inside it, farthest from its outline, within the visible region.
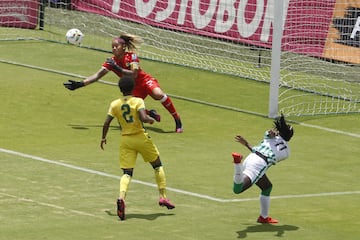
(264, 206)
(238, 173)
(163, 99)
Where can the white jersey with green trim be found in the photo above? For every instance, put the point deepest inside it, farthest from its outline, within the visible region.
(275, 148)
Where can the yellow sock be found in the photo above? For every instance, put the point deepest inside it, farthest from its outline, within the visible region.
(124, 184)
(161, 181)
(162, 192)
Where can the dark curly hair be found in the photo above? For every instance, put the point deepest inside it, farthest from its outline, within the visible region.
(126, 84)
(286, 131)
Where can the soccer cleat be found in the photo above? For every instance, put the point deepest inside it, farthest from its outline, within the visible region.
(179, 128)
(164, 202)
(237, 157)
(152, 113)
(266, 220)
(121, 208)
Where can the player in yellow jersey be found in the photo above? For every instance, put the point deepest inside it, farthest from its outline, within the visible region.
(131, 114)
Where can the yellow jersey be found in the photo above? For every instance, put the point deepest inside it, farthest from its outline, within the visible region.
(126, 110)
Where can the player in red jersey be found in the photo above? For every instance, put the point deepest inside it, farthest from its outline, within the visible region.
(126, 62)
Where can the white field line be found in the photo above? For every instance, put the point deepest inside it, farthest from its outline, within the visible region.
(329, 130)
(198, 195)
(28, 200)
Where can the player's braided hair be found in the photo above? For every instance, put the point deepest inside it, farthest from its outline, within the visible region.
(286, 131)
(132, 42)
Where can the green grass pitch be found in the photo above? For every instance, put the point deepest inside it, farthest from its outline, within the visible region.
(56, 182)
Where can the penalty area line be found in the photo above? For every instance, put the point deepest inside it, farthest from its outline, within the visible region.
(198, 195)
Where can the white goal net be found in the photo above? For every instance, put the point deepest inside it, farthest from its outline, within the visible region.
(320, 47)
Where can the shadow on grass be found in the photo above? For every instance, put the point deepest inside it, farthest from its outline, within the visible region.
(149, 217)
(158, 130)
(87, 127)
(279, 230)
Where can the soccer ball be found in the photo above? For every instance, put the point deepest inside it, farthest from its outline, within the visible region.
(74, 36)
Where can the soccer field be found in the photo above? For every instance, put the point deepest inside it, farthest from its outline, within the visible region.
(56, 182)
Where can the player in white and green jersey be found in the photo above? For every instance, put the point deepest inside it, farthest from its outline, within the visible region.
(271, 150)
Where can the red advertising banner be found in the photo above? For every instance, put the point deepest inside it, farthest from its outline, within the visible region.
(246, 21)
(19, 13)
(243, 21)
(306, 24)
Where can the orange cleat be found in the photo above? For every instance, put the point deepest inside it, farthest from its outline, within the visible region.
(266, 220)
(237, 157)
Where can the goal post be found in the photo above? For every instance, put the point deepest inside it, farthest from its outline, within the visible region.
(308, 52)
(275, 59)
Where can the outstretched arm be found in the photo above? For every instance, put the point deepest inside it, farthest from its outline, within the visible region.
(243, 141)
(73, 85)
(95, 77)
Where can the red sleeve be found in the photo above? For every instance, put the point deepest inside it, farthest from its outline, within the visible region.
(107, 66)
(125, 62)
(110, 68)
